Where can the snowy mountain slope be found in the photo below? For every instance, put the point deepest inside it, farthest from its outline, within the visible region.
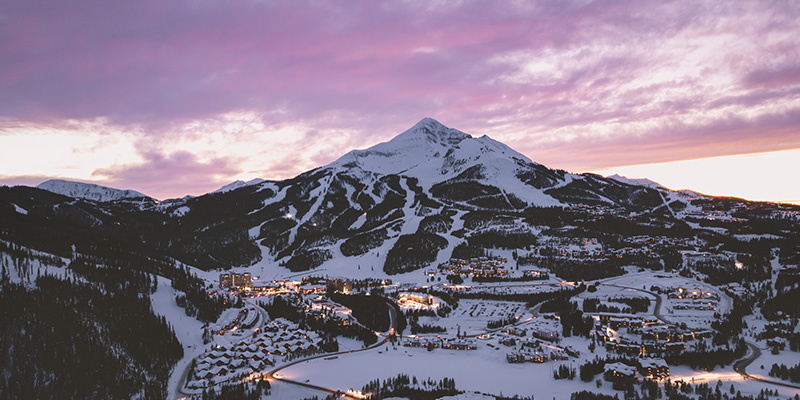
(454, 167)
(374, 204)
(435, 154)
(396, 207)
(370, 206)
(88, 191)
(238, 184)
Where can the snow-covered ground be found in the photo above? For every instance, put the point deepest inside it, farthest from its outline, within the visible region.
(642, 283)
(288, 391)
(729, 377)
(188, 329)
(483, 370)
(471, 316)
(26, 271)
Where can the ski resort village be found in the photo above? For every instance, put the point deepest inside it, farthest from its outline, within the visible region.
(436, 265)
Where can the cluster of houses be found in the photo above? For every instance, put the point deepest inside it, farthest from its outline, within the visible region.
(705, 259)
(545, 328)
(416, 299)
(637, 348)
(320, 284)
(653, 368)
(662, 242)
(621, 320)
(589, 249)
(565, 248)
(483, 267)
(669, 333)
(530, 349)
(243, 285)
(736, 290)
(431, 343)
(246, 318)
(643, 336)
(523, 357)
(223, 363)
(693, 299)
(692, 294)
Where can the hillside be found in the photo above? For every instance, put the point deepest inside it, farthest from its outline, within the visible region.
(396, 207)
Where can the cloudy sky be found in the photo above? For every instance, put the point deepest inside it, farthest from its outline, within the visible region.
(180, 97)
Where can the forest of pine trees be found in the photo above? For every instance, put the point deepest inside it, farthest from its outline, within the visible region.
(410, 387)
(67, 339)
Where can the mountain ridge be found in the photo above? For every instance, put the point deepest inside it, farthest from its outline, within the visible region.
(392, 217)
(428, 151)
(88, 191)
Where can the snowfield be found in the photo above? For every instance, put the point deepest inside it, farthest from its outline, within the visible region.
(483, 370)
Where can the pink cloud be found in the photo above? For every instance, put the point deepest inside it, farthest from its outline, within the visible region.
(164, 176)
(375, 69)
(677, 142)
(784, 75)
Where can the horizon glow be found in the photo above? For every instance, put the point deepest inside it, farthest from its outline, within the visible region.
(748, 176)
(180, 98)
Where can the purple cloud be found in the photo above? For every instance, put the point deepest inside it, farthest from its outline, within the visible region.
(556, 79)
(162, 176)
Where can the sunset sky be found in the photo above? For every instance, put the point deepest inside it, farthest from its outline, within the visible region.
(180, 97)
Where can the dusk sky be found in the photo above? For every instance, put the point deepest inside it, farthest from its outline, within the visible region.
(180, 97)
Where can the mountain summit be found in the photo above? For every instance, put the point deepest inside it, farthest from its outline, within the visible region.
(439, 156)
(427, 145)
(426, 140)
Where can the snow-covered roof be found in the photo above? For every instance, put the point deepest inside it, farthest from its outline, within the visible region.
(652, 363)
(620, 368)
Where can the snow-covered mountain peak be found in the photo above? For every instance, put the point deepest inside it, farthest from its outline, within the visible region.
(430, 146)
(434, 154)
(433, 131)
(88, 191)
(428, 139)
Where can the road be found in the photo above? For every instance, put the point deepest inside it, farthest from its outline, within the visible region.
(656, 311)
(741, 366)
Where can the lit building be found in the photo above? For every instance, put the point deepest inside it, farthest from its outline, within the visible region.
(341, 285)
(242, 280)
(616, 371)
(225, 280)
(655, 368)
(418, 298)
(235, 280)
